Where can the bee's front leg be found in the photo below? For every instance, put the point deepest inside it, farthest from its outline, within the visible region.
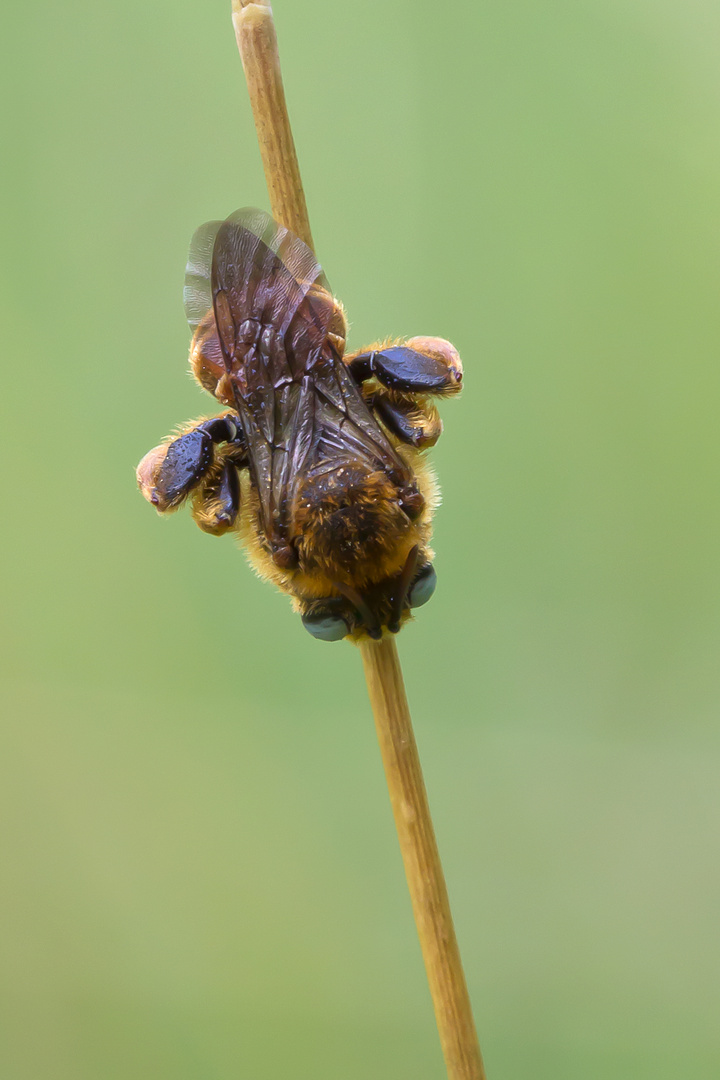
(421, 365)
(400, 379)
(169, 472)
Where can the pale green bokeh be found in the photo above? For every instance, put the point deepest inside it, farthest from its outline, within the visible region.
(200, 874)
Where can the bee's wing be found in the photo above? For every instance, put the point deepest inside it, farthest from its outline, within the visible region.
(269, 279)
(197, 292)
(267, 271)
(272, 309)
(348, 429)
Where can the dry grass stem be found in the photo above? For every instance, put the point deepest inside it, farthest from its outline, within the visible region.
(257, 42)
(423, 869)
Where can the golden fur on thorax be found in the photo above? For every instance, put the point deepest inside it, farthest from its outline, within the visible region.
(349, 525)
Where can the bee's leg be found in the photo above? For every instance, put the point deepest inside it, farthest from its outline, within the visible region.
(421, 365)
(411, 418)
(216, 502)
(169, 472)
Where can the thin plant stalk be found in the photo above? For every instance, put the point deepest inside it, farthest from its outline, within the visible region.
(423, 868)
(257, 43)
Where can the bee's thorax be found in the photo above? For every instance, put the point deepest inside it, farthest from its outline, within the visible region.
(350, 525)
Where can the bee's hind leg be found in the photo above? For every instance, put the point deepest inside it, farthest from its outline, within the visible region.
(169, 472)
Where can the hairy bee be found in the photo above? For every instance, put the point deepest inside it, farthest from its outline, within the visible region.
(317, 461)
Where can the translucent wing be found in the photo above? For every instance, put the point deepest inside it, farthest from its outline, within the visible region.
(275, 320)
(266, 297)
(272, 303)
(302, 270)
(197, 293)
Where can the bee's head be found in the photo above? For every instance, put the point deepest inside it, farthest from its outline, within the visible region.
(385, 605)
(362, 542)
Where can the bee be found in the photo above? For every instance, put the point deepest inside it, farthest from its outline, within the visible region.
(317, 461)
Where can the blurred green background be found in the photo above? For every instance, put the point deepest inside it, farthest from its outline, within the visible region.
(200, 878)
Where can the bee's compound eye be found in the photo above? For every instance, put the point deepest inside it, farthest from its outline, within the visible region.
(326, 627)
(423, 586)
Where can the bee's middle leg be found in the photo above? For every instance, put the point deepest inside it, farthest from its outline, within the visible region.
(216, 501)
(410, 418)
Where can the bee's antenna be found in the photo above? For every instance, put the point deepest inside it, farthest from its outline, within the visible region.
(371, 623)
(403, 586)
